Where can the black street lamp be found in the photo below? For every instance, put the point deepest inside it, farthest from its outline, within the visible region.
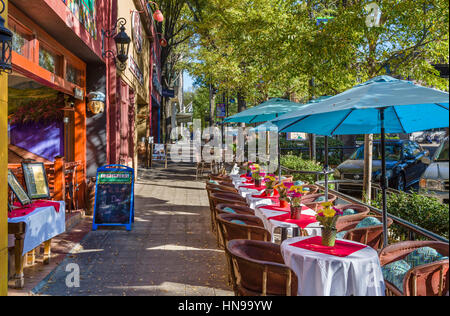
(122, 41)
(5, 44)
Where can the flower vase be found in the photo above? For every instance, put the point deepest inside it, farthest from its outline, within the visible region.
(296, 212)
(284, 203)
(329, 236)
(248, 174)
(257, 183)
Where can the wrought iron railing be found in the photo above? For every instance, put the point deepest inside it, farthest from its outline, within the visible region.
(414, 231)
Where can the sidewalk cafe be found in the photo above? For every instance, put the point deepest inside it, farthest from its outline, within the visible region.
(285, 237)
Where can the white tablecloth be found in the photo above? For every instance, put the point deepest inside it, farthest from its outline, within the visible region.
(270, 225)
(358, 274)
(41, 225)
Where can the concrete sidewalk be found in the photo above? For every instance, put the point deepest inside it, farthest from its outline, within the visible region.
(170, 251)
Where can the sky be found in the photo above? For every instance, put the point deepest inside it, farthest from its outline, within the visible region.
(188, 82)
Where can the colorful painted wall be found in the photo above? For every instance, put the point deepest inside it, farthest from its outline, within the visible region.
(3, 178)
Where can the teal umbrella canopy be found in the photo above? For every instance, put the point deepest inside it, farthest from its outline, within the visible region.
(407, 108)
(264, 112)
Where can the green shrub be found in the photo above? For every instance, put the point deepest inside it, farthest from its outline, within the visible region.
(420, 210)
(299, 164)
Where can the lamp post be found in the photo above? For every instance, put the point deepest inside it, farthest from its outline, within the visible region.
(122, 41)
(5, 44)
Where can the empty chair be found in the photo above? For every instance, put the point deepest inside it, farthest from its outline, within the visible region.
(416, 268)
(311, 189)
(220, 178)
(258, 269)
(223, 198)
(228, 208)
(221, 187)
(366, 229)
(238, 226)
(353, 211)
(315, 201)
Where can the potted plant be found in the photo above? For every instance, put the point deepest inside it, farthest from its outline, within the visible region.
(295, 195)
(257, 178)
(270, 181)
(282, 189)
(328, 218)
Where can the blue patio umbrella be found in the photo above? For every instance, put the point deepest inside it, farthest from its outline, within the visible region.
(379, 106)
(264, 112)
(267, 111)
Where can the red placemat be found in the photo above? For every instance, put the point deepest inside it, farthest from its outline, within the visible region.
(254, 187)
(276, 207)
(303, 222)
(341, 249)
(28, 210)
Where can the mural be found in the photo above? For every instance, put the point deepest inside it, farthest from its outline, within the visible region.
(84, 10)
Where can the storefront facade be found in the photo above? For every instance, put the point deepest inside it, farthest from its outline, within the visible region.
(130, 103)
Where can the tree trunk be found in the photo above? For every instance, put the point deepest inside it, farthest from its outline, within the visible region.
(212, 104)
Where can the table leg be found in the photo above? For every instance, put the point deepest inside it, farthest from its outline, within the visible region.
(31, 257)
(19, 261)
(47, 251)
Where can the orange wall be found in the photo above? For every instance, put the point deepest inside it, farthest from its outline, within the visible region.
(3, 178)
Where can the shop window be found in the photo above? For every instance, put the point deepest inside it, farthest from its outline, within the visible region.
(21, 39)
(49, 60)
(74, 75)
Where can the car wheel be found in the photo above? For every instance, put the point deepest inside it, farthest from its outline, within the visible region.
(401, 182)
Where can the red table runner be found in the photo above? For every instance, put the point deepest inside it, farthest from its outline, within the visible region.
(278, 208)
(303, 222)
(28, 210)
(254, 187)
(341, 249)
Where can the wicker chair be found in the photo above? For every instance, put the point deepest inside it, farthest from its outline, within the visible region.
(221, 187)
(360, 209)
(217, 198)
(287, 178)
(309, 201)
(313, 189)
(425, 280)
(371, 236)
(258, 269)
(220, 178)
(252, 230)
(239, 209)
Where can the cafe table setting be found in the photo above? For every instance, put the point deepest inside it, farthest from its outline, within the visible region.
(346, 269)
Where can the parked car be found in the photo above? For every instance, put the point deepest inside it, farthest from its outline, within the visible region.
(434, 181)
(403, 163)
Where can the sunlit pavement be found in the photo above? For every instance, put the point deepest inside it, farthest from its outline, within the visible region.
(170, 251)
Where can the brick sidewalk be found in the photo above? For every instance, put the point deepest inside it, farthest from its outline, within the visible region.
(170, 251)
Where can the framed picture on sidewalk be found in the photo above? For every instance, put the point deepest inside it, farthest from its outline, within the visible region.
(18, 190)
(36, 180)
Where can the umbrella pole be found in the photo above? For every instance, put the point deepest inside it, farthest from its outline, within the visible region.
(384, 180)
(326, 168)
(279, 159)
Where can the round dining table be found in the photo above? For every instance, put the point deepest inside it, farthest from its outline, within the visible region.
(348, 269)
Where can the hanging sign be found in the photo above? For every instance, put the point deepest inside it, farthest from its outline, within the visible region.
(114, 197)
(221, 110)
(137, 31)
(136, 70)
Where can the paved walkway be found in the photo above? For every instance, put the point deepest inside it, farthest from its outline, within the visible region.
(170, 251)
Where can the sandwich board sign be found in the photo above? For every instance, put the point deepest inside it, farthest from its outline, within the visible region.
(114, 197)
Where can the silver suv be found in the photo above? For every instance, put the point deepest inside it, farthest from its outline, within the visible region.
(434, 182)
